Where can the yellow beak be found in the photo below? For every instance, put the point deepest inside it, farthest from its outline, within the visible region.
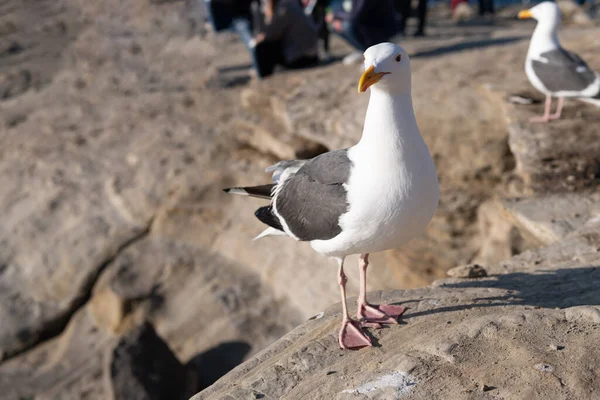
(368, 78)
(525, 14)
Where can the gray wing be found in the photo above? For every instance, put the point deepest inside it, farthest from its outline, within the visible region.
(564, 71)
(312, 200)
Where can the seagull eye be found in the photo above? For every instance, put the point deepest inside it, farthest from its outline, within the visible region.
(398, 57)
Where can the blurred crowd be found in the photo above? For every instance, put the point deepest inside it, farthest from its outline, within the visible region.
(295, 33)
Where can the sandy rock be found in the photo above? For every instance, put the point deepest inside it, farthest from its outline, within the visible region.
(585, 313)
(211, 314)
(83, 171)
(468, 271)
(551, 218)
(550, 161)
(179, 288)
(108, 309)
(499, 238)
(573, 13)
(471, 326)
(69, 366)
(271, 138)
(142, 367)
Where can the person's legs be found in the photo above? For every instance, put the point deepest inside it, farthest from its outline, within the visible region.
(486, 7)
(490, 7)
(323, 32)
(403, 8)
(243, 28)
(324, 35)
(422, 12)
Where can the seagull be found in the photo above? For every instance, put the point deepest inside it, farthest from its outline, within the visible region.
(374, 196)
(553, 70)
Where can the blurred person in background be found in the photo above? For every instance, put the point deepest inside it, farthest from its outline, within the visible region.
(404, 8)
(289, 38)
(317, 9)
(232, 14)
(362, 23)
(486, 7)
(455, 3)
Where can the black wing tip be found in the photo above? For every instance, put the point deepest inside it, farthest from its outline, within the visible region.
(266, 216)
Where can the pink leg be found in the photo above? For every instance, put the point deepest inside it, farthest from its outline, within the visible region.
(372, 315)
(559, 107)
(546, 116)
(351, 334)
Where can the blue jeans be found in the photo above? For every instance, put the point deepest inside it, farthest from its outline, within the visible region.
(243, 28)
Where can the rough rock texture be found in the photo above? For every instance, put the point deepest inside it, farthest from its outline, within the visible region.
(118, 128)
(203, 306)
(551, 218)
(548, 160)
(195, 298)
(527, 331)
(97, 167)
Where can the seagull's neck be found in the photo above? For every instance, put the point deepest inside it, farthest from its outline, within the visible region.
(390, 121)
(544, 38)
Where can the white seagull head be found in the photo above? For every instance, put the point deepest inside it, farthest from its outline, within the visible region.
(387, 68)
(546, 12)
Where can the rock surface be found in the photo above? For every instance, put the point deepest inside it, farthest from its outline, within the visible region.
(550, 218)
(527, 331)
(119, 127)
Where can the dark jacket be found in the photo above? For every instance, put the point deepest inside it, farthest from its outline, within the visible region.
(296, 31)
(374, 20)
(222, 12)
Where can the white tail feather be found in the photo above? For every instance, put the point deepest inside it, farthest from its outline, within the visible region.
(270, 231)
(237, 191)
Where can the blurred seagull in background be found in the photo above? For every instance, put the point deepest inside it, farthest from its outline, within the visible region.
(553, 70)
(374, 196)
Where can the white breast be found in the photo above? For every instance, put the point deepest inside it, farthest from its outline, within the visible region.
(392, 194)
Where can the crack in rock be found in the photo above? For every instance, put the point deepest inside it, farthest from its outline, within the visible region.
(56, 326)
